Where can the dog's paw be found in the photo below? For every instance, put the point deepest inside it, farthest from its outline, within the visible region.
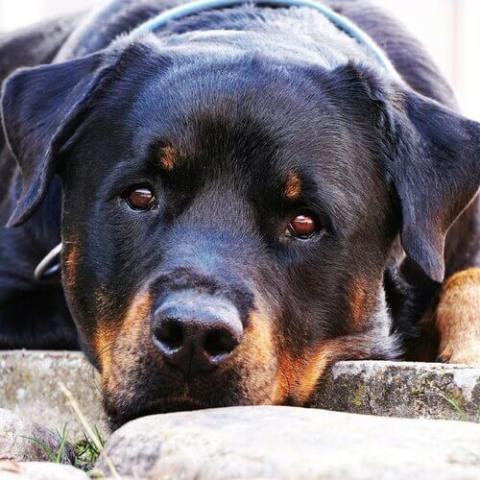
(458, 318)
(465, 355)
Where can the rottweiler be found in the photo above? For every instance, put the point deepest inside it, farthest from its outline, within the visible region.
(243, 195)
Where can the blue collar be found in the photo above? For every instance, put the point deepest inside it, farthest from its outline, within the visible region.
(341, 22)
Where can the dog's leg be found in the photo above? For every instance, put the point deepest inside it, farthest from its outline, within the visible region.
(36, 319)
(458, 318)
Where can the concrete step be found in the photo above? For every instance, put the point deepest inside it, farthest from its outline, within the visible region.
(402, 389)
(30, 386)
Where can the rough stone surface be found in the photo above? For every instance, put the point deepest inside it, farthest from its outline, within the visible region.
(29, 386)
(292, 443)
(39, 471)
(23, 440)
(396, 389)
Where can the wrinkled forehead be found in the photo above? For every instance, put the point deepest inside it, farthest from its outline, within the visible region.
(189, 92)
(278, 121)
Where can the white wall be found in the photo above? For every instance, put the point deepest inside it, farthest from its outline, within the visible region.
(450, 30)
(19, 13)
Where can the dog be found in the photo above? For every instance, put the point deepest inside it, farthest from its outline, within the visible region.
(244, 196)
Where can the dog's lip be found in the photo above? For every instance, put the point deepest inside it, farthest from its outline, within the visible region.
(174, 404)
(161, 406)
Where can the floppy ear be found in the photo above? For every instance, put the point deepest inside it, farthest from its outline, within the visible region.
(431, 157)
(40, 109)
(434, 164)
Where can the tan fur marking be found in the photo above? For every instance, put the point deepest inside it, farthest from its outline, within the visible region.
(260, 335)
(359, 303)
(297, 378)
(256, 355)
(130, 331)
(104, 342)
(140, 307)
(168, 158)
(70, 259)
(283, 379)
(458, 318)
(312, 372)
(293, 187)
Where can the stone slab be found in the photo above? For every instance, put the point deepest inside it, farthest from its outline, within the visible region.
(40, 471)
(403, 389)
(29, 386)
(23, 440)
(292, 443)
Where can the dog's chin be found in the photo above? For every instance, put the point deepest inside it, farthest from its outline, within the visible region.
(154, 408)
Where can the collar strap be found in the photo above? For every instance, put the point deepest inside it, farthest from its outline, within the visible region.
(49, 266)
(341, 22)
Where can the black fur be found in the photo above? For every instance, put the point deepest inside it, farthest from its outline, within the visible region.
(244, 97)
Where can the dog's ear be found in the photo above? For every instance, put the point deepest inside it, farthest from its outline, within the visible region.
(431, 157)
(434, 164)
(40, 109)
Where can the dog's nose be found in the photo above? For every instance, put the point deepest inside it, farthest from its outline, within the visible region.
(196, 332)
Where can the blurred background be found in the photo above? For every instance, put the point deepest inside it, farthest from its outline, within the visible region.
(450, 29)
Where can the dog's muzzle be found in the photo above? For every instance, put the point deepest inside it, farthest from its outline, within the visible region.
(196, 332)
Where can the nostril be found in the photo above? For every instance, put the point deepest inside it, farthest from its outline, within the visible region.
(170, 334)
(194, 331)
(219, 342)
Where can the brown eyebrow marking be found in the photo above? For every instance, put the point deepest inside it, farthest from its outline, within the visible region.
(293, 186)
(168, 156)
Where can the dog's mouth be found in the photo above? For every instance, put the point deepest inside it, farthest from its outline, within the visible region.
(169, 405)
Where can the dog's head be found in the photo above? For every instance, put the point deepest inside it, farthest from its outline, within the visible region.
(227, 217)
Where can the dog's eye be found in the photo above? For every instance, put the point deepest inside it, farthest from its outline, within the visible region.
(140, 198)
(302, 226)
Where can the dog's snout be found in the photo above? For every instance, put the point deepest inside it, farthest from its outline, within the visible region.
(196, 332)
